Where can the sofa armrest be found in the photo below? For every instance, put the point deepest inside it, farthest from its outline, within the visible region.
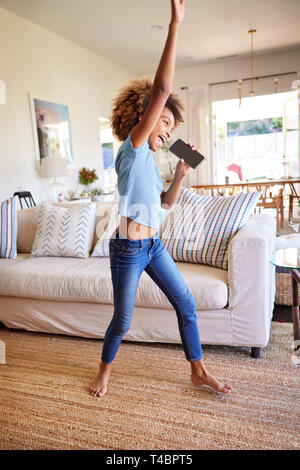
(251, 280)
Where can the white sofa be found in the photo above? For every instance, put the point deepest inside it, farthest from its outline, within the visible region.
(75, 297)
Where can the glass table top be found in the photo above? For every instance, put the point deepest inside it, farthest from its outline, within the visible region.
(287, 258)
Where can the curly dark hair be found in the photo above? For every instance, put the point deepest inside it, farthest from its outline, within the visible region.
(132, 101)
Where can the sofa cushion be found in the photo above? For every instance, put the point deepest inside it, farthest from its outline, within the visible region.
(198, 228)
(27, 224)
(103, 212)
(8, 228)
(89, 280)
(110, 223)
(28, 220)
(64, 231)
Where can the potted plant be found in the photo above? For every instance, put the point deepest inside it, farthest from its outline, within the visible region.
(87, 177)
(97, 194)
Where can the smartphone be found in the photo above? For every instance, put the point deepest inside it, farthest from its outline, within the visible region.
(183, 150)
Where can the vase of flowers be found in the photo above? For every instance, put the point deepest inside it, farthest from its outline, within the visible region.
(87, 177)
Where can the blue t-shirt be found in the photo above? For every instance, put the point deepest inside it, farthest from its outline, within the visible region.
(139, 184)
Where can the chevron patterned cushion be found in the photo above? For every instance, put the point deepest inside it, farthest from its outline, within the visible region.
(199, 228)
(64, 231)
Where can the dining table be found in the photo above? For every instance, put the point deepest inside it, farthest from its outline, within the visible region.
(257, 183)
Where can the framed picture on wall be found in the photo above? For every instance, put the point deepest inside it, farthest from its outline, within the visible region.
(51, 127)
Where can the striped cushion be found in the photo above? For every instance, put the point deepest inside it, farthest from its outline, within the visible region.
(8, 228)
(199, 228)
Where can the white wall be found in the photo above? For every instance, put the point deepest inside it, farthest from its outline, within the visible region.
(35, 60)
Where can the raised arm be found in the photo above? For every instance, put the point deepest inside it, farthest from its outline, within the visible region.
(163, 81)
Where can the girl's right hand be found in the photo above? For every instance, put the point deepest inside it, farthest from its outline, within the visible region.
(177, 11)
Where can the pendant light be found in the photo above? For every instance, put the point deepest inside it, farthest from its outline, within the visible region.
(252, 32)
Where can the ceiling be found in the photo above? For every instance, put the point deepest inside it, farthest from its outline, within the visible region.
(120, 30)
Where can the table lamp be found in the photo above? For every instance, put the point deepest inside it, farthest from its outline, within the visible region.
(54, 167)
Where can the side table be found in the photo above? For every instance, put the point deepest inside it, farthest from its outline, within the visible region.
(290, 258)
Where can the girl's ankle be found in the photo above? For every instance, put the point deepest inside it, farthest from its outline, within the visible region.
(198, 367)
(105, 367)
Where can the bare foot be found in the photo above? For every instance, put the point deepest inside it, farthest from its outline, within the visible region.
(99, 387)
(204, 378)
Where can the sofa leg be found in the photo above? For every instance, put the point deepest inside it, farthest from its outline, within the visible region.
(255, 352)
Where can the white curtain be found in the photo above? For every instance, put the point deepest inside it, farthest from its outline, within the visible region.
(199, 132)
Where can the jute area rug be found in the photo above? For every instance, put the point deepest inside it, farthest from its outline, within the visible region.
(150, 403)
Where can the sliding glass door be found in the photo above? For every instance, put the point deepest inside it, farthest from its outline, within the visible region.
(259, 139)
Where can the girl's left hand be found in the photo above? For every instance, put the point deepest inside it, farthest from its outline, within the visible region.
(181, 169)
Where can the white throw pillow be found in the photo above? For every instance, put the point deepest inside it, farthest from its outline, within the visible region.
(112, 221)
(66, 232)
(199, 228)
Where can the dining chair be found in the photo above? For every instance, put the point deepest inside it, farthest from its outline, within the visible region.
(27, 197)
(272, 200)
(292, 198)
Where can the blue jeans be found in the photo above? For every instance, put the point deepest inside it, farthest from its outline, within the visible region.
(128, 260)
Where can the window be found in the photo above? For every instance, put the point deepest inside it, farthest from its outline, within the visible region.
(261, 137)
(108, 150)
